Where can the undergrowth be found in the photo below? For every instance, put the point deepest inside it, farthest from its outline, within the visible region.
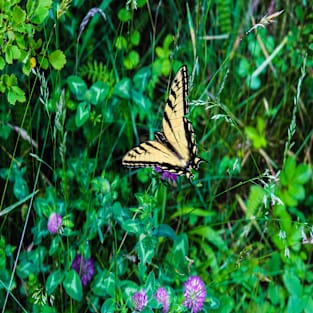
(81, 84)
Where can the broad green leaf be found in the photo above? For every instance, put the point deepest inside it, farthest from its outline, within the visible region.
(253, 82)
(77, 86)
(19, 94)
(123, 89)
(18, 15)
(2, 63)
(73, 286)
(256, 197)
(53, 281)
(210, 235)
(104, 284)
(38, 10)
(57, 59)
(142, 78)
(82, 114)
(20, 188)
(303, 173)
(109, 306)
(132, 226)
(145, 249)
(8, 54)
(141, 101)
(292, 283)
(135, 38)
(98, 92)
(121, 43)
(131, 60)
(16, 52)
(166, 231)
(124, 15)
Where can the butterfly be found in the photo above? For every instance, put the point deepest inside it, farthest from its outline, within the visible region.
(174, 149)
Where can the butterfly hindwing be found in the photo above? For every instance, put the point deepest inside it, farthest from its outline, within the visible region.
(174, 149)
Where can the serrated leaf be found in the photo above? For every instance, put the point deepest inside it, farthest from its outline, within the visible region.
(57, 59)
(38, 10)
(73, 286)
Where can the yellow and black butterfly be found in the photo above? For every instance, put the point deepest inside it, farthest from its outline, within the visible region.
(174, 149)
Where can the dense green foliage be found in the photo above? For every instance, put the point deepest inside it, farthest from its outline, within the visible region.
(82, 82)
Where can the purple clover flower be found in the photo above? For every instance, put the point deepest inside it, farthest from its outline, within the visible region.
(171, 177)
(140, 300)
(163, 298)
(85, 269)
(195, 293)
(54, 223)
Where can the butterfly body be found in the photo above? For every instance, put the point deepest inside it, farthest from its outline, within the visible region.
(174, 148)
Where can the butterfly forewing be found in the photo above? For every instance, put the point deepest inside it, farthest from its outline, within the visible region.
(154, 153)
(177, 129)
(174, 149)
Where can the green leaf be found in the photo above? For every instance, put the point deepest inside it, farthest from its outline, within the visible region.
(132, 226)
(141, 100)
(121, 43)
(18, 15)
(123, 88)
(77, 86)
(8, 54)
(2, 63)
(73, 286)
(57, 59)
(131, 60)
(98, 92)
(38, 10)
(104, 285)
(53, 281)
(303, 174)
(253, 82)
(292, 283)
(166, 231)
(124, 15)
(109, 306)
(142, 78)
(256, 197)
(20, 188)
(135, 38)
(82, 114)
(211, 235)
(145, 249)
(19, 94)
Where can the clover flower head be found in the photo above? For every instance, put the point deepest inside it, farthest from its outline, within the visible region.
(140, 300)
(85, 269)
(171, 177)
(195, 293)
(54, 223)
(163, 298)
